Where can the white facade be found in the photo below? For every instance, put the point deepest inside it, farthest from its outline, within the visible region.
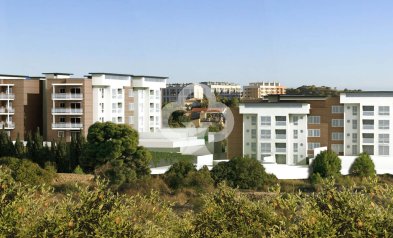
(368, 123)
(275, 132)
(224, 89)
(128, 99)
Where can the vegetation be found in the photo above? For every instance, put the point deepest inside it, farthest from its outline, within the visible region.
(326, 164)
(168, 158)
(363, 166)
(317, 91)
(242, 172)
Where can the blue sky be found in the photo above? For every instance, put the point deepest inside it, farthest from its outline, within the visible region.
(343, 44)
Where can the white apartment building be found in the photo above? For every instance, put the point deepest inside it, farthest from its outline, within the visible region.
(183, 90)
(129, 99)
(368, 123)
(275, 132)
(224, 89)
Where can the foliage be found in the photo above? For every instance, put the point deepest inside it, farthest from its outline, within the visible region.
(316, 90)
(168, 158)
(6, 146)
(363, 166)
(242, 172)
(176, 174)
(326, 164)
(20, 151)
(25, 171)
(200, 180)
(78, 170)
(177, 118)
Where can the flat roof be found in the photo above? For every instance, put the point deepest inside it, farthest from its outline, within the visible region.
(149, 76)
(58, 73)
(12, 75)
(369, 94)
(116, 74)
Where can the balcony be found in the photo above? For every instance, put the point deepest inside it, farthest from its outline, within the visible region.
(368, 113)
(281, 123)
(67, 111)
(7, 96)
(152, 110)
(281, 150)
(368, 127)
(7, 125)
(67, 96)
(9, 110)
(281, 136)
(65, 126)
(368, 140)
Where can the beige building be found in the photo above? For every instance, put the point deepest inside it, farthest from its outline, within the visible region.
(20, 105)
(261, 89)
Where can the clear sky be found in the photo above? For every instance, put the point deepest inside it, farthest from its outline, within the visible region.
(337, 43)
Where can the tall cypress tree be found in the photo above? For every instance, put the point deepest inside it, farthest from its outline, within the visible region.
(62, 158)
(37, 149)
(6, 146)
(19, 148)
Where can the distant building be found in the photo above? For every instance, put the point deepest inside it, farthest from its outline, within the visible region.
(261, 89)
(224, 89)
(175, 90)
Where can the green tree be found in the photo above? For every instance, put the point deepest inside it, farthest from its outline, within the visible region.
(107, 141)
(363, 166)
(6, 146)
(242, 172)
(35, 148)
(200, 180)
(62, 158)
(177, 173)
(19, 148)
(326, 164)
(76, 149)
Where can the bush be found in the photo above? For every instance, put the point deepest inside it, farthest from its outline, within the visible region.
(242, 172)
(117, 173)
(326, 164)
(78, 170)
(363, 166)
(27, 172)
(175, 176)
(200, 180)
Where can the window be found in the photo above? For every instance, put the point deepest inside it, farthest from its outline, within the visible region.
(296, 120)
(266, 148)
(368, 138)
(62, 90)
(295, 134)
(314, 133)
(383, 124)
(354, 110)
(354, 138)
(75, 90)
(131, 106)
(253, 120)
(265, 121)
(369, 149)
(337, 136)
(253, 133)
(130, 92)
(131, 120)
(314, 120)
(337, 123)
(295, 147)
(62, 105)
(75, 120)
(281, 134)
(253, 147)
(383, 150)
(368, 124)
(337, 109)
(338, 148)
(75, 105)
(62, 119)
(383, 138)
(384, 110)
(313, 145)
(368, 110)
(102, 92)
(265, 134)
(355, 124)
(355, 150)
(60, 134)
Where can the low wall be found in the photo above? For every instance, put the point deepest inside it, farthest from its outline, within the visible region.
(282, 171)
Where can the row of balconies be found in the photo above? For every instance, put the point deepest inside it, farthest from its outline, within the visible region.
(67, 111)
(67, 96)
(67, 125)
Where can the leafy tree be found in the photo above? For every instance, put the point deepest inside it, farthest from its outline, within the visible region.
(326, 164)
(175, 176)
(117, 173)
(19, 148)
(107, 141)
(363, 166)
(62, 158)
(242, 172)
(200, 180)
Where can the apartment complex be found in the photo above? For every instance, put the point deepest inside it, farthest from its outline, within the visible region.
(20, 104)
(64, 106)
(224, 89)
(261, 89)
(182, 90)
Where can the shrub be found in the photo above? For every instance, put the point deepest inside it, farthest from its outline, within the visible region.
(175, 176)
(117, 173)
(25, 171)
(363, 166)
(78, 170)
(242, 172)
(326, 164)
(200, 180)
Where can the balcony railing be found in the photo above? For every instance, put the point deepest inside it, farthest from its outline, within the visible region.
(281, 123)
(63, 125)
(151, 110)
(368, 140)
(7, 96)
(368, 113)
(7, 125)
(368, 127)
(67, 96)
(281, 136)
(67, 110)
(7, 110)
(281, 150)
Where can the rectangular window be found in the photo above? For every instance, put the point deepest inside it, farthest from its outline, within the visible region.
(337, 136)
(337, 109)
(368, 110)
(296, 120)
(130, 92)
(281, 134)
(338, 148)
(313, 145)
(368, 124)
(295, 134)
(60, 134)
(266, 148)
(383, 150)
(253, 120)
(337, 123)
(368, 137)
(369, 149)
(354, 110)
(265, 134)
(295, 147)
(265, 121)
(253, 133)
(62, 105)
(383, 124)
(131, 106)
(131, 120)
(384, 110)
(354, 138)
(281, 120)
(355, 124)
(314, 133)
(383, 138)
(314, 120)
(355, 150)
(253, 147)
(62, 90)
(62, 119)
